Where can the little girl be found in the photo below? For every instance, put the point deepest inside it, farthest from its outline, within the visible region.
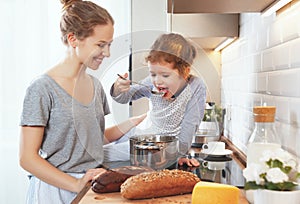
(178, 110)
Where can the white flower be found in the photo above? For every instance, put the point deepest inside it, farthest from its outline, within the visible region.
(277, 170)
(252, 172)
(279, 154)
(292, 163)
(275, 175)
(285, 157)
(267, 155)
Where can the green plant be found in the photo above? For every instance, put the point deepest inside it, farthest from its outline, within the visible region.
(216, 112)
(278, 171)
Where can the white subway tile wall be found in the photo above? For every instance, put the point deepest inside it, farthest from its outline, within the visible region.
(263, 67)
(295, 47)
(294, 112)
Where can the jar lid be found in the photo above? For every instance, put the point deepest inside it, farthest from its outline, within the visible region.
(264, 113)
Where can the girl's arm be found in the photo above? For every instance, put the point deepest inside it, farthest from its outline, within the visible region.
(122, 94)
(192, 118)
(31, 161)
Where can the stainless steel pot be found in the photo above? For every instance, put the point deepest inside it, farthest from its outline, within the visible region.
(155, 151)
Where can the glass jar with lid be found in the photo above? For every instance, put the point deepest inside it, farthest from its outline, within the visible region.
(208, 129)
(264, 136)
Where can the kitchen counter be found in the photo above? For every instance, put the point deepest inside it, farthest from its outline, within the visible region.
(94, 198)
(230, 173)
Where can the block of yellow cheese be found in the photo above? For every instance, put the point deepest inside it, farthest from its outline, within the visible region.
(215, 193)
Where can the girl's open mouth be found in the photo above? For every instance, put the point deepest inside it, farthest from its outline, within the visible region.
(165, 91)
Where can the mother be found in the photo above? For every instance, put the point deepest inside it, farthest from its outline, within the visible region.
(62, 123)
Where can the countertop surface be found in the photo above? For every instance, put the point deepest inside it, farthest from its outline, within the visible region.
(94, 198)
(230, 174)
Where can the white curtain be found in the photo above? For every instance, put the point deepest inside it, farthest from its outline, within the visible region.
(29, 45)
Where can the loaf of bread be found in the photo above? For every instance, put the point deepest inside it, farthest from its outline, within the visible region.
(111, 180)
(212, 193)
(159, 184)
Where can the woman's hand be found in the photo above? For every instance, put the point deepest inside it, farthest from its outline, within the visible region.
(121, 85)
(138, 119)
(188, 162)
(88, 176)
(117, 131)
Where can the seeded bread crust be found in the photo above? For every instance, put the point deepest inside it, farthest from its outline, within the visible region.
(159, 184)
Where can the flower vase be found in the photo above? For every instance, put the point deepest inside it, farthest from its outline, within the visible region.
(264, 196)
(249, 195)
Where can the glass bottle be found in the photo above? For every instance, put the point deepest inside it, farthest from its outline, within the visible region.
(208, 129)
(264, 136)
(209, 125)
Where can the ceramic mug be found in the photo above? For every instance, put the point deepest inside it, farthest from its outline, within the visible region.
(214, 165)
(214, 147)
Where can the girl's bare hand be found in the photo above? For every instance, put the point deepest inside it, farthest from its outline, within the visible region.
(121, 85)
(188, 162)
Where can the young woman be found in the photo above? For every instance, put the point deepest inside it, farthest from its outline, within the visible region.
(62, 123)
(180, 107)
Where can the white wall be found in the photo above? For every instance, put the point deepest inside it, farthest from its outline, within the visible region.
(207, 65)
(149, 20)
(22, 38)
(264, 66)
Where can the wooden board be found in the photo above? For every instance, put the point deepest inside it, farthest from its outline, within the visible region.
(115, 198)
(91, 198)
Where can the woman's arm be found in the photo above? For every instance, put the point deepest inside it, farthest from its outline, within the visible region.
(115, 132)
(31, 161)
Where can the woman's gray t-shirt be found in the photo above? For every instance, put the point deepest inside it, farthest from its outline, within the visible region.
(73, 136)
